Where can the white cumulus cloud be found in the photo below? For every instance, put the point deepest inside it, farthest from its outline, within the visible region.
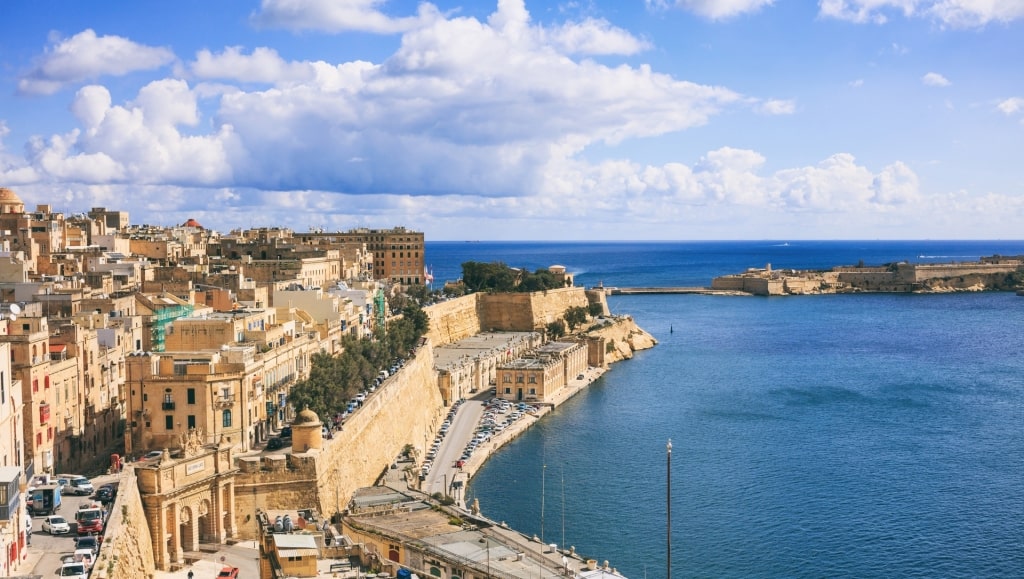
(935, 79)
(263, 65)
(496, 103)
(339, 15)
(714, 9)
(1011, 105)
(777, 107)
(87, 56)
(952, 13)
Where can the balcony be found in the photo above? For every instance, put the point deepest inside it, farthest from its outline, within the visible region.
(224, 402)
(167, 405)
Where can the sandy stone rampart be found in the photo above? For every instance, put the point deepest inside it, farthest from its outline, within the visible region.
(467, 316)
(408, 409)
(127, 551)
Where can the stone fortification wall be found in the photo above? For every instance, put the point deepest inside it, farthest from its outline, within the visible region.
(467, 316)
(454, 320)
(127, 551)
(523, 312)
(924, 272)
(407, 410)
(274, 482)
(876, 281)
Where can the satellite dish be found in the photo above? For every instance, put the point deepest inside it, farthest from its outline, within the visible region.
(13, 317)
(15, 308)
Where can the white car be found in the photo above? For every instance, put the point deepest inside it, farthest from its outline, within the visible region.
(56, 525)
(74, 570)
(80, 486)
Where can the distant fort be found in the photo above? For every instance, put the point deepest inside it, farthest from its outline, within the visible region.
(995, 273)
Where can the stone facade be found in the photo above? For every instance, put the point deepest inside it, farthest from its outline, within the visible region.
(188, 500)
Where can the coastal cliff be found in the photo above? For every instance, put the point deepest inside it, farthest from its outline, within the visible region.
(621, 336)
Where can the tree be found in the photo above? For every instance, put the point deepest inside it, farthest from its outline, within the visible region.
(575, 316)
(556, 329)
(596, 309)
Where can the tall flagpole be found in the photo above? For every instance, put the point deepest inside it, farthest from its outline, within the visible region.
(543, 476)
(668, 511)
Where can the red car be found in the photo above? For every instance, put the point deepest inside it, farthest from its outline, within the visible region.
(228, 573)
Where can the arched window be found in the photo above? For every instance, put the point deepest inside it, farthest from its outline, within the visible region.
(226, 418)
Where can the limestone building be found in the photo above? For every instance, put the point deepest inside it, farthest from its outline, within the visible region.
(537, 377)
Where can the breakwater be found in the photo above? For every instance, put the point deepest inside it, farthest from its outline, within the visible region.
(627, 291)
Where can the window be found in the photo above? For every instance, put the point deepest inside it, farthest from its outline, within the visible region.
(169, 422)
(191, 421)
(191, 394)
(508, 391)
(533, 379)
(533, 391)
(226, 418)
(507, 379)
(519, 379)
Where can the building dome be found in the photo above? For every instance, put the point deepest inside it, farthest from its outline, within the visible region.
(307, 416)
(10, 202)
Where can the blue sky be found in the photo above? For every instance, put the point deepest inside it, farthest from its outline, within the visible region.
(516, 119)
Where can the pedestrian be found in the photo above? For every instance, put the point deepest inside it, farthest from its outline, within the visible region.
(190, 574)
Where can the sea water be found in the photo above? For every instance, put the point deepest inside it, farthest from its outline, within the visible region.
(863, 435)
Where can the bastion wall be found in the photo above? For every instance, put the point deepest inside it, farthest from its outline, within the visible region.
(407, 410)
(467, 316)
(127, 551)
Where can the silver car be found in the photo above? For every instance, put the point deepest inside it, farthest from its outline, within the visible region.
(56, 525)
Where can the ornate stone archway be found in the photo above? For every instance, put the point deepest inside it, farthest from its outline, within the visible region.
(190, 498)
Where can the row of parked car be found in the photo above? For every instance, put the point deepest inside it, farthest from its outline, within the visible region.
(436, 446)
(494, 420)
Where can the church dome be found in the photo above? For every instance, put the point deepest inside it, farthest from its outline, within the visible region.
(10, 202)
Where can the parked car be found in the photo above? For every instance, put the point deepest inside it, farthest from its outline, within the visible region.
(152, 455)
(56, 525)
(80, 486)
(228, 573)
(85, 557)
(74, 570)
(275, 444)
(104, 495)
(89, 542)
(286, 432)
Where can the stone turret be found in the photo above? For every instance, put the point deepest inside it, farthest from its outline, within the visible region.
(307, 431)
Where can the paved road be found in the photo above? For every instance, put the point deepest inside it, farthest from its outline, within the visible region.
(459, 434)
(47, 550)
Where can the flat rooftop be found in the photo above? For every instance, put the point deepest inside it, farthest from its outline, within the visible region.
(486, 345)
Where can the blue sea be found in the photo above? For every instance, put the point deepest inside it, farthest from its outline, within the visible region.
(818, 436)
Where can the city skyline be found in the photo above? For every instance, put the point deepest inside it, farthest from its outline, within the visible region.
(513, 119)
